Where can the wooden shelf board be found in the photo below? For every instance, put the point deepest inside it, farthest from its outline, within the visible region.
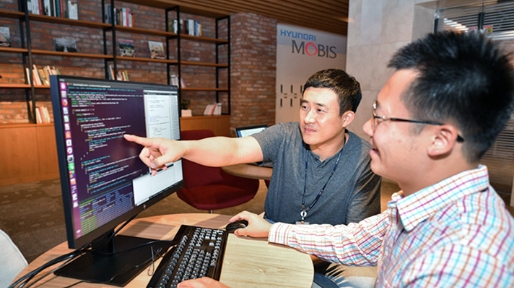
(203, 39)
(193, 63)
(73, 22)
(145, 31)
(13, 50)
(140, 59)
(15, 86)
(71, 54)
(11, 13)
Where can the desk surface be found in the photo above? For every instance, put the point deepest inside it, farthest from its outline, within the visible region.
(249, 171)
(247, 262)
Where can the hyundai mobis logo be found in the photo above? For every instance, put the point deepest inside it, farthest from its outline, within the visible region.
(306, 44)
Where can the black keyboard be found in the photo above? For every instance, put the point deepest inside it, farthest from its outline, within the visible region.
(197, 252)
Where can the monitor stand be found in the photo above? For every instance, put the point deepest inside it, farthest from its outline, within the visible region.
(117, 269)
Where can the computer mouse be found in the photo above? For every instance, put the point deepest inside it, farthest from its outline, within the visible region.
(233, 226)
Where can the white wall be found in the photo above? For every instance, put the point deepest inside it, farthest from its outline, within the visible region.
(321, 50)
(375, 31)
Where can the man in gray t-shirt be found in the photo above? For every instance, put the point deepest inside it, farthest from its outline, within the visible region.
(350, 195)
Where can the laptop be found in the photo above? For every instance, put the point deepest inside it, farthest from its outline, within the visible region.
(249, 130)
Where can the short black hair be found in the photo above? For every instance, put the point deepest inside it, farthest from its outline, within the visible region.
(464, 79)
(346, 87)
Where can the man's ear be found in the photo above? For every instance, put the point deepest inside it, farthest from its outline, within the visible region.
(348, 117)
(444, 140)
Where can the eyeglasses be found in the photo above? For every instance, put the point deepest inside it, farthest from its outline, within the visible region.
(377, 119)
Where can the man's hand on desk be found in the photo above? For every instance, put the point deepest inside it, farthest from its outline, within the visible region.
(201, 283)
(257, 226)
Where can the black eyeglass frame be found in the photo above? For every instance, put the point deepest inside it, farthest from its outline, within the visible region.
(377, 119)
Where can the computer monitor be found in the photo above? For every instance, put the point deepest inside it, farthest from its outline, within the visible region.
(104, 183)
(249, 130)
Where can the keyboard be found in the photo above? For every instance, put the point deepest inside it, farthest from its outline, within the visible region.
(196, 252)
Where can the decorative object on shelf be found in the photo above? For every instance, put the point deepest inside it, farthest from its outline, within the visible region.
(5, 37)
(156, 50)
(184, 106)
(65, 44)
(126, 47)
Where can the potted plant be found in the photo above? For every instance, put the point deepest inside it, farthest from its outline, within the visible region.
(184, 105)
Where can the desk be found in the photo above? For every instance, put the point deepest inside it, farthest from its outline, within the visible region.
(249, 171)
(247, 262)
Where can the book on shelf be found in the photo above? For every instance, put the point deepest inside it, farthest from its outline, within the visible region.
(45, 78)
(47, 8)
(41, 76)
(120, 16)
(33, 7)
(122, 75)
(126, 47)
(72, 10)
(42, 115)
(198, 29)
(35, 74)
(178, 26)
(5, 37)
(51, 70)
(191, 27)
(156, 50)
(174, 79)
(65, 44)
(213, 109)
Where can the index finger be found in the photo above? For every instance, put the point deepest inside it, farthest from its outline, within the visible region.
(139, 140)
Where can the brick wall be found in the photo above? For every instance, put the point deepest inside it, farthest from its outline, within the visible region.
(253, 69)
(252, 61)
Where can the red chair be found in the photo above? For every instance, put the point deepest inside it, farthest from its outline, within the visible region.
(210, 188)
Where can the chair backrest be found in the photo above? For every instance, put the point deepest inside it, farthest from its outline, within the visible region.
(12, 261)
(196, 175)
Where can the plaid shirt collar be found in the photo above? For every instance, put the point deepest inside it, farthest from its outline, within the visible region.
(419, 206)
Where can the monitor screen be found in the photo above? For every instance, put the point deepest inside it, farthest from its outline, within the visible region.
(249, 130)
(104, 183)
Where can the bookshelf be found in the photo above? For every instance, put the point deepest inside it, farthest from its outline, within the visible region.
(175, 58)
(29, 31)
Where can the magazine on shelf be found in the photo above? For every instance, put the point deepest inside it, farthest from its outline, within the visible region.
(127, 48)
(5, 37)
(156, 50)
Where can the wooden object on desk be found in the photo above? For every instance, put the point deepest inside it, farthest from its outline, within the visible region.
(28, 153)
(219, 124)
(249, 171)
(247, 262)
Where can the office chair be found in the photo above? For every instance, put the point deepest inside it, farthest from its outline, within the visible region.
(12, 260)
(210, 188)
